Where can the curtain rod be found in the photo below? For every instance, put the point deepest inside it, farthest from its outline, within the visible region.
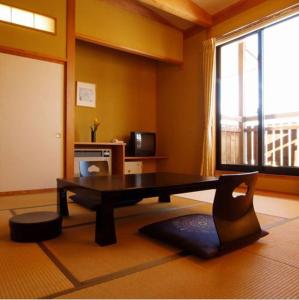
(255, 25)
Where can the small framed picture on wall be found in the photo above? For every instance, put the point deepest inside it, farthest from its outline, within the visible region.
(86, 94)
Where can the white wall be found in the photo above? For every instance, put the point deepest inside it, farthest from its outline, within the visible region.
(31, 117)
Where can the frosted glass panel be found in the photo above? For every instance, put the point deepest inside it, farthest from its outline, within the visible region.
(5, 13)
(22, 17)
(44, 23)
(26, 18)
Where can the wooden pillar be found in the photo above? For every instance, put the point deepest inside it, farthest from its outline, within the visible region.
(70, 90)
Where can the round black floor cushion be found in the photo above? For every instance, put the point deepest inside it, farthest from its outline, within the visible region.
(35, 226)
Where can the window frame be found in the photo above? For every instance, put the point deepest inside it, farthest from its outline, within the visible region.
(294, 171)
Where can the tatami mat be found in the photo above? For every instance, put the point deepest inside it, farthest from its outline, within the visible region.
(25, 270)
(139, 267)
(267, 221)
(285, 207)
(27, 200)
(281, 245)
(78, 214)
(131, 249)
(237, 275)
(81, 215)
(100, 261)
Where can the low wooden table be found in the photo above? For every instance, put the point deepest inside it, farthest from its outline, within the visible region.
(109, 190)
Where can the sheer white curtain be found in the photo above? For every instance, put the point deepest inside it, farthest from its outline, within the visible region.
(209, 70)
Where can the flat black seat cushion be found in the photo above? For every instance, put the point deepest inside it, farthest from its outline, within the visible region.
(90, 202)
(85, 200)
(195, 233)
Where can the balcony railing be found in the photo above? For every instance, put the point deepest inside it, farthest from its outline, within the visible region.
(239, 140)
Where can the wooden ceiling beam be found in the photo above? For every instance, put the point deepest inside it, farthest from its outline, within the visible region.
(184, 9)
(235, 9)
(141, 10)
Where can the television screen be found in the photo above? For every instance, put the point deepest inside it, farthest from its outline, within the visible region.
(142, 143)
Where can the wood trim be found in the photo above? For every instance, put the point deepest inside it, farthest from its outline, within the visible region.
(141, 10)
(234, 9)
(98, 144)
(70, 90)
(27, 192)
(273, 176)
(33, 55)
(224, 14)
(184, 9)
(89, 39)
(118, 160)
(192, 31)
(133, 158)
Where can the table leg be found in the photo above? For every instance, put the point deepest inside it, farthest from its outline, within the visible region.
(164, 198)
(62, 207)
(105, 228)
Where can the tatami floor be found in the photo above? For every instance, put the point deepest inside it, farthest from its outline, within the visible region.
(73, 266)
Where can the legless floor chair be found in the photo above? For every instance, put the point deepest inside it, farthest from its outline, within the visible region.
(232, 225)
(96, 168)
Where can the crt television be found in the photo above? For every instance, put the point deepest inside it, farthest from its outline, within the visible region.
(142, 143)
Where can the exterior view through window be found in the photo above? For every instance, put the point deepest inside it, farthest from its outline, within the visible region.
(258, 101)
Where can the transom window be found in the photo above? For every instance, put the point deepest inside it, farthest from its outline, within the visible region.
(258, 101)
(26, 18)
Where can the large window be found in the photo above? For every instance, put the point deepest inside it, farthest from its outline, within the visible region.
(258, 101)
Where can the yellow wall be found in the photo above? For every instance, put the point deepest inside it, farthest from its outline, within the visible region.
(125, 88)
(179, 116)
(13, 36)
(179, 110)
(117, 27)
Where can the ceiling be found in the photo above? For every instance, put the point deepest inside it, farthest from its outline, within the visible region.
(185, 15)
(171, 19)
(214, 6)
(211, 7)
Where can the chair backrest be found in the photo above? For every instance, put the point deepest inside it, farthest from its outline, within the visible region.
(93, 168)
(234, 215)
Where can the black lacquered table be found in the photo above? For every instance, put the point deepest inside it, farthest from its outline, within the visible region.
(107, 191)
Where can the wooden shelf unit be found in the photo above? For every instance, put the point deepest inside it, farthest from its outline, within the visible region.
(119, 158)
(118, 153)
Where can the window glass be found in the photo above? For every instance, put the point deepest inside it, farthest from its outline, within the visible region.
(281, 94)
(258, 92)
(239, 101)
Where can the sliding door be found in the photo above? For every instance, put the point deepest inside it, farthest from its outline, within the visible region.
(258, 101)
(31, 123)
